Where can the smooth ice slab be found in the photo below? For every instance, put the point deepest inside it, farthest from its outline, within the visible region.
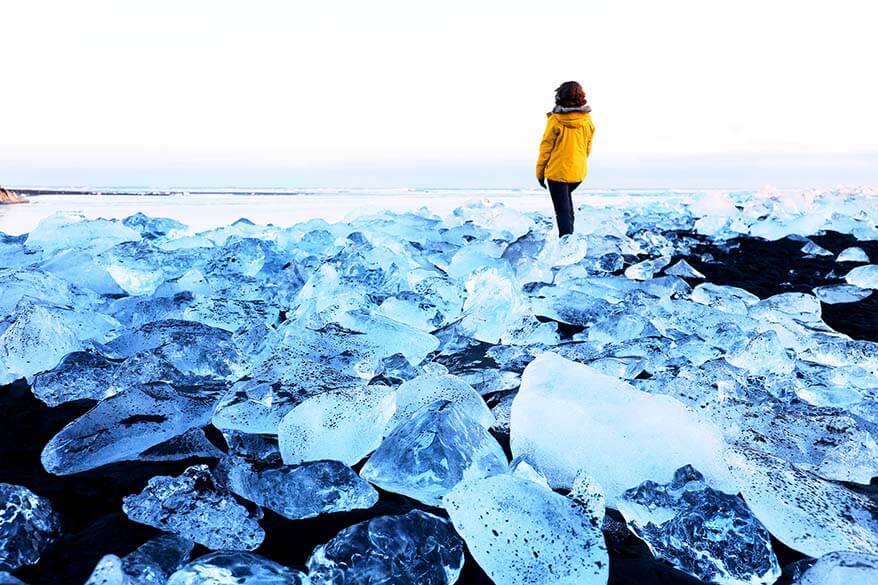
(426, 456)
(28, 524)
(341, 425)
(853, 254)
(863, 276)
(150, 564)
(236, 568)
(805, 512)
(305, 491)
(122, 426)
(841, 293)
(426, 389)
(522, 533)
(704, 532)
(415, 549)
(193, 505)
(842, 568)
(568, 417)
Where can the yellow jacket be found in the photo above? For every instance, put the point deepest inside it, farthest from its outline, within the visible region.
(565, 147)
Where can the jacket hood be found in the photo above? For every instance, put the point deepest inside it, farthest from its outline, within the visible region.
(571, 117)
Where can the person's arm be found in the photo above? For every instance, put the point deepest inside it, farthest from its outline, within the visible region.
(588, 145)
(546, 147)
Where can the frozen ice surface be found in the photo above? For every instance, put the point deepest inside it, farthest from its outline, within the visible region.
(631, 436)
(122, 426)
(842, 568)
(683, 269)
(841, 293)
(81, 374)
(805, 512)
(28, 524)
(150, 564)
(426, 389)
(704, 532)
(852, 254)
(304, 491)
(415, 549)
(427, 455)
(236, 568)
(863, 276)
(521, 532)
(341, 425)
(194, 506)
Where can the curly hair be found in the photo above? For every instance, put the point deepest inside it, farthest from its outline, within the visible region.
(570, 95)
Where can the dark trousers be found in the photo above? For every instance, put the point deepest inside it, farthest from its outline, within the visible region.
(563, 203)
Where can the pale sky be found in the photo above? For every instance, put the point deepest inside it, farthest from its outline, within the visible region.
(453, 93)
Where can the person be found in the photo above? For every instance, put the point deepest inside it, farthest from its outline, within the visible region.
(564, 150)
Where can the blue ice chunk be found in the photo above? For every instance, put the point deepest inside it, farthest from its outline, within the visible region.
(124, 425)
(81, 374)
(520, 532)
(415, 549)
(842, 568)
(67, 231)
(426, 456)
(236, 568)
(196, 507)
(153, 227)
(150, 564)
(704, 532)
(28, 524)
(295, 492)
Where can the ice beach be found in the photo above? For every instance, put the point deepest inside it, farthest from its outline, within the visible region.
(431, 387)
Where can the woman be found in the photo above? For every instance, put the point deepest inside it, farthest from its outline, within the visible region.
(564, 150)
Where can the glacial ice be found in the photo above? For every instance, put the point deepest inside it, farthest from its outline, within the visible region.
(196, 507)
(427, 388)
(841, 293)
(236, 568)
(805, 512)
(28, 524)
(150, 564)
(863, 276)
(125, 425)
(521, 533)
(81, 374)
(813, 249)
(563, 405)
(414, 549)
(426, 456)
(852, 254)
(704, 532)
(303, 491)
(683, 269)
(842, 568)
(341, 425)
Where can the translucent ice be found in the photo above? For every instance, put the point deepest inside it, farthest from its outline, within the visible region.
(842, 568)
(684, 269)
(813, 249)
(35, 340)
(863, 276)
(704, 532)
(194, 506)
(805, 512)
(414, 549)
(853, 254)
(646, 269)
(60, 232)
(341, 425)
(122, 426)
(28, 524)
(631, 436)
(150, 564)
(730, 299)
(426, 456)
(841, 293)
(304, 491)
(236, 568)
(81, 374)
(414, 394)
(522, 533)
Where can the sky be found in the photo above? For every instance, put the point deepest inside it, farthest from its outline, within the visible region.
(387, 93)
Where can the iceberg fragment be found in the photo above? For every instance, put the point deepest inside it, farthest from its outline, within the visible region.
(28, 524)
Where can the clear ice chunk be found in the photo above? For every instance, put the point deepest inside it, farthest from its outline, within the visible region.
(863, 276)
(683, 269)
(28, 524)
(701, 531)
(853, 254)
(303, 491)
(805, 512)
(426, 389)
(522, 533)
(150, 564)
(563, 405)
(236, 568)
(841, 293)
(415, 549)
(81, 374)
(426, 456)
(341, 425)
(842, 568)
(196, 507)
